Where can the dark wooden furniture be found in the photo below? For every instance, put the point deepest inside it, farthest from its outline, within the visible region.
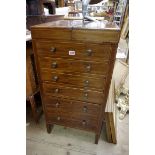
(75, 62)
(35, 12)
(36, 7)
(39, 19)
(111, 116)
(31, 82)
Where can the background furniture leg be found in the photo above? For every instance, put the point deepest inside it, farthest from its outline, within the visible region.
(33, 107)
(49, 128)
(96, 138)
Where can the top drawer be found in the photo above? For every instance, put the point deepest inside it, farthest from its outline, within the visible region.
(73, 50)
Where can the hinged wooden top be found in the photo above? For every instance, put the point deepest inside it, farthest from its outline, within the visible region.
(79, 24)
(76, 30)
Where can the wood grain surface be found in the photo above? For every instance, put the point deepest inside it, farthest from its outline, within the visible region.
(75, 85)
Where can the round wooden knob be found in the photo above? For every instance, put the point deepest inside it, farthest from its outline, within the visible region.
(88, 68)
(55, 78)
(83, 122)
(86, 95)
(85, 109)
(54, 65)
(57, 104)
(89, 52)
(86, 82)
(56, 90)
(53, 49)
(58, 118)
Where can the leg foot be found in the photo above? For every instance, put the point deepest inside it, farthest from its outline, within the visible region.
(49, 128)
(96, 138)
(33, 107)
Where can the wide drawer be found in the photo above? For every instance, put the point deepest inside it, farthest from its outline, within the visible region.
(69, 120)
(53, 104)
(73, 66)
(73, 93)
(72, 50)
(97, 82)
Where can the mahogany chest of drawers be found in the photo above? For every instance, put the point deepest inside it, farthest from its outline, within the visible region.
(75, 62)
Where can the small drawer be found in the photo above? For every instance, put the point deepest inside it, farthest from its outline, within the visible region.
(63, 105)
(70, 121)
(96, 82)
(71, 66)
(72, 50)
(64, 91)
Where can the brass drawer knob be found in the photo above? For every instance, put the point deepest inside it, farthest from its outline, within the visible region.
(89, 52)
(88, 68)
(83, 122)
(54, 65)
(85, 109)
(86, 82)
(56, 90)
(55, 78)
(58, 118)
(53, 49)
(57, 104)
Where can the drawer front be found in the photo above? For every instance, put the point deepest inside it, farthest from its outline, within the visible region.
(69, 120)
(73, 93)
(72, 50)
(58, 105)
(73, 66)
(72, 79)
